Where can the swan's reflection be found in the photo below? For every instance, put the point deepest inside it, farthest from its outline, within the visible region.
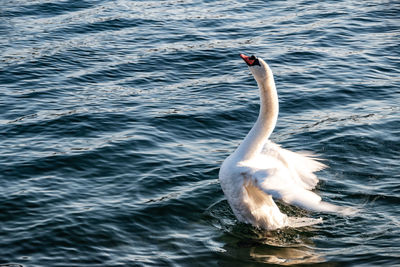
(285, 256)
(244, 243)
(283, 252)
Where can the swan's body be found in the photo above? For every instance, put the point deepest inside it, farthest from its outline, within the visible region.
(260, 171)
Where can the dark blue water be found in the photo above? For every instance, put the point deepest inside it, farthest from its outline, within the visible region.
(116, 115)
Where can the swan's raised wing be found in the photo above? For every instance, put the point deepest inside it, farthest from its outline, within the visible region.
(275, 182)
(301, 165)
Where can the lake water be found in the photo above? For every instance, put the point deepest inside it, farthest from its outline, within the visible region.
(116, 116)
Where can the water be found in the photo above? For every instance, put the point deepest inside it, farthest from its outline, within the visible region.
(116, 115)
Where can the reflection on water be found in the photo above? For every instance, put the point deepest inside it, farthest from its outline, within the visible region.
(299, 254)
(283, 246)
(285, 256)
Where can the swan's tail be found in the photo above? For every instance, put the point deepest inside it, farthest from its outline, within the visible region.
(323, 206)
(296, 222)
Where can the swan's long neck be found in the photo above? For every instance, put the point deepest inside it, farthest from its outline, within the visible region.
(265, 124)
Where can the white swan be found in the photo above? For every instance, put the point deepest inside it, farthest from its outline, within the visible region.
(260, 170)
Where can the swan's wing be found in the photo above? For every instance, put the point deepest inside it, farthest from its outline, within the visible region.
(274, 182)
(301, 165)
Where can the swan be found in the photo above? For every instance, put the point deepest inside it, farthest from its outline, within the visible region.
(259, 171)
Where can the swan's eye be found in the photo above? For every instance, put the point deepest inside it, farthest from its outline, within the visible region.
(254, 61)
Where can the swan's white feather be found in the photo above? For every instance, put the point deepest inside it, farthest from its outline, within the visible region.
(301, 165)
(276, 173)
(285, 175)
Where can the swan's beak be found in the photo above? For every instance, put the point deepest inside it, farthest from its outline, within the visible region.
(250, 61)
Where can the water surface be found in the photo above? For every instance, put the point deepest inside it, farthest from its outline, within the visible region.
(116, 115)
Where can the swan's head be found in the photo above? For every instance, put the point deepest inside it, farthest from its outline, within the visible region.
(258, 68)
